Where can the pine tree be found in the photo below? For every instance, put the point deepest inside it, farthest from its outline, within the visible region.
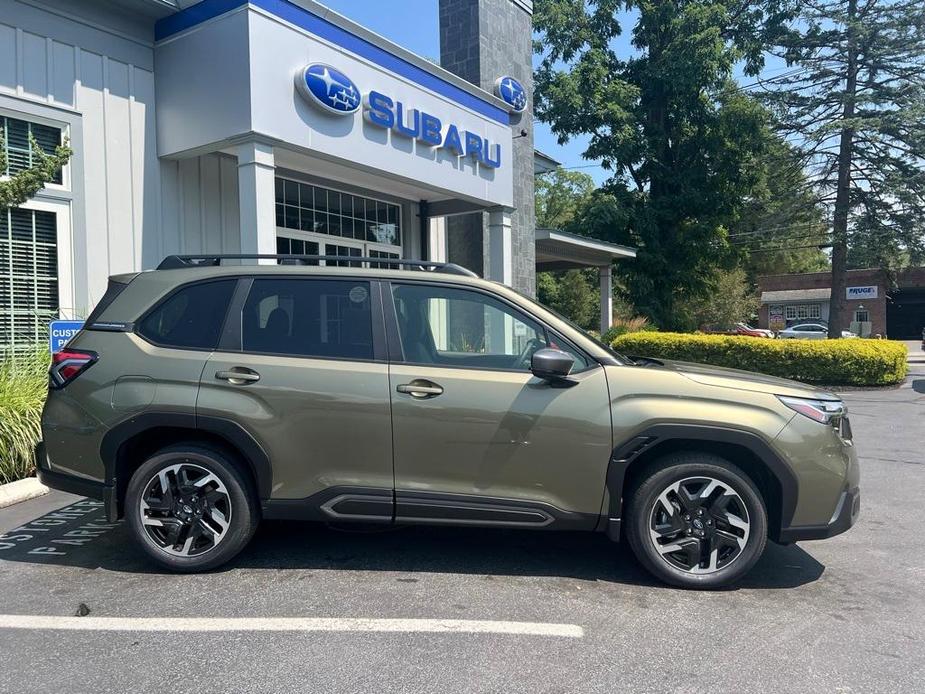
(854, 106)
(22, 185)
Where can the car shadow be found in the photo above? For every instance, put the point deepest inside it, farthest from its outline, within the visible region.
(88, 541)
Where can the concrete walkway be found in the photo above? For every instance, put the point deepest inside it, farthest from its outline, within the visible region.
(916, 353)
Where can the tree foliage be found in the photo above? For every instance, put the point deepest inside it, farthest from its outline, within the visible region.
(22, 185)
(782, 228)
(728, 301)
(559, 196)
(573, 293)
(854, 105)
(684, 145)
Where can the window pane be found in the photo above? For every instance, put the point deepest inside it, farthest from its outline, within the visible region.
(334, 206)
(291, 217)
(28, 276)
(279, 190)
(456, 327)
(359, 207)
(321, 199)
(308, 317)
(292, 193)
(190, 318)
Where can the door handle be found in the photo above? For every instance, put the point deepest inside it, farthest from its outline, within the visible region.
(238, 375)
(420, 388)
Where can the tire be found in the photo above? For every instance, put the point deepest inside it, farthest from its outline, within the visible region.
(206, 519)
(701, 542)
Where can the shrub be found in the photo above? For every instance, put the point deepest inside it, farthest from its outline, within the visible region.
(622, 326)
(856, 362)
(23, 385)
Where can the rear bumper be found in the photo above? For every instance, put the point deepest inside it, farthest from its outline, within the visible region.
(846, 514)
(73, 484)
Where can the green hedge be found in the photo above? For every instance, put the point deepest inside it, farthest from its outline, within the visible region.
(23, 385)
(856, 362)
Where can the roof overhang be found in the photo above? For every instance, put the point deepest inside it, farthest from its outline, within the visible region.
(543, 163)
(559, 250)
(784, 296)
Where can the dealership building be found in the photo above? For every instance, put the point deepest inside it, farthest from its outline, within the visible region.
(879, 303)
(263, 127)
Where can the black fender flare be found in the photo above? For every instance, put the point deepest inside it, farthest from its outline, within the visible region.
(232, 432)
(650, 437)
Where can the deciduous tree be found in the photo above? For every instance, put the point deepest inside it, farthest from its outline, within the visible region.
(684, 145)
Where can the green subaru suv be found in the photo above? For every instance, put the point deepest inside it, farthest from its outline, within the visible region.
(208, 394)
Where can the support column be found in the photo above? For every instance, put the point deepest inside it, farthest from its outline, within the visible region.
(257, 198)
(436, 243)
(499, 265)
(606, 273)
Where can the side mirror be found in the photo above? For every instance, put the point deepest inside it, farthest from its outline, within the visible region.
(551, 364)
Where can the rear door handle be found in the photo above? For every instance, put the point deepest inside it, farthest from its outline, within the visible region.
(238, 375)
(420, 388)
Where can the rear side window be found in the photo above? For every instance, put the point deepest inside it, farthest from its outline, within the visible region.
(308, 318)
(190, 318)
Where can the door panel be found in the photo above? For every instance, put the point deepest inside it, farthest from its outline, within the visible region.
(306, 378)
(503, 434)
(463, 426)
(322, 423)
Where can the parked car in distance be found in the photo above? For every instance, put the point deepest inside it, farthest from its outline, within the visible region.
(204, 396)
(746, 329)
(810, 331)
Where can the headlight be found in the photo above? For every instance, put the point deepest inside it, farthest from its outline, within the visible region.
(822, 411)
(831, 412)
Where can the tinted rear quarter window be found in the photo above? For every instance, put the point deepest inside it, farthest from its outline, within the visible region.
(308, 318)
(191, 317)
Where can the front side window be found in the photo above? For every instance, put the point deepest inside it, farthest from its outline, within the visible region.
(309, 318)
(190, 318)
(456, 327)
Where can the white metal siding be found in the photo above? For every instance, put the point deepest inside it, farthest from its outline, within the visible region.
(136, 208)
(200, 206)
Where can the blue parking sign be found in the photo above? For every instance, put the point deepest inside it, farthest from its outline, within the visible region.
(60, 331)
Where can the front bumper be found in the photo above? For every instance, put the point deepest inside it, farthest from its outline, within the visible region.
(73, 484)
(846, 514)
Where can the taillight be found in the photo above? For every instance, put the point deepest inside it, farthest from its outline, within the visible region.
(68, 364)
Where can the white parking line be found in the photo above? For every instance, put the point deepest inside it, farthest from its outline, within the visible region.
(167, 624)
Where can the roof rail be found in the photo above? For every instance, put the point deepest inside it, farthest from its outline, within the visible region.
(174, 262)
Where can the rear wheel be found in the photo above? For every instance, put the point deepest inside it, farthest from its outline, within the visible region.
(696, 521)
(190, 508)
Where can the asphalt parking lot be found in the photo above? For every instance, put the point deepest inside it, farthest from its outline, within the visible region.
(843, 615)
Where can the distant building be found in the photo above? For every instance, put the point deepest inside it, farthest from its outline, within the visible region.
(876, 305)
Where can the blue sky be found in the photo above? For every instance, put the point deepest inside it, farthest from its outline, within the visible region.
(414, 24)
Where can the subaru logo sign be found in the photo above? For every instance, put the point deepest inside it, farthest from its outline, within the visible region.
(329, 89)
(332, 91)
(512, 92)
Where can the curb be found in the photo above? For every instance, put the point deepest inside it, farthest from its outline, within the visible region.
(21, 490)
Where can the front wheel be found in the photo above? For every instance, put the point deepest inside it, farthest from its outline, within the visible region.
(190, 508)
(696, 521)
